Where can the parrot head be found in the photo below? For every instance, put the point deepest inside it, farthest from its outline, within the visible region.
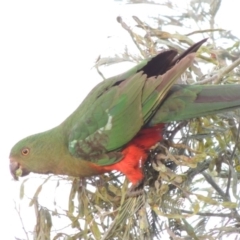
(29, 155)
(20, 157)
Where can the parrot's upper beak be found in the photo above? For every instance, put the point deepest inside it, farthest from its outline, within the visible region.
(17, 170)
(14, 166)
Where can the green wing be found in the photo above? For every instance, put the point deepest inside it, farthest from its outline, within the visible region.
(100, 128)
(108, 123)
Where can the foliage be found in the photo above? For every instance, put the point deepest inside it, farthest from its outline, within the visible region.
(191, 186)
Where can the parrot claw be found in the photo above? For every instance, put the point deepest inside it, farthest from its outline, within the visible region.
(136, 189)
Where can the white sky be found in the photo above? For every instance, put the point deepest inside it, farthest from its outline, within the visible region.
(47, 49)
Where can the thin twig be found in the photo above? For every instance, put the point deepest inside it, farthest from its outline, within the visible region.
(206, 30)
(207, 80)
(207, 214)
(21, 220)
(224, 71)
(127, 28)
(231, 161)
(221, 193)
(210, 180)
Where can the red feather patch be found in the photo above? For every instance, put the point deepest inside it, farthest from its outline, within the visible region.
(135, 153)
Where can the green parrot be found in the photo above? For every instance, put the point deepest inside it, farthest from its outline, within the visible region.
(121, 119)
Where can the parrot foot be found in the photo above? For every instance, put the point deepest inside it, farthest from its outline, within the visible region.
(136, 189)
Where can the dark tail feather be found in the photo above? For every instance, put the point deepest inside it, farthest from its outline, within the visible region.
(159, 64)
(162, 62)
(193, 48)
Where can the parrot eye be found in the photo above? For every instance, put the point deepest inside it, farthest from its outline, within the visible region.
(25, 151)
